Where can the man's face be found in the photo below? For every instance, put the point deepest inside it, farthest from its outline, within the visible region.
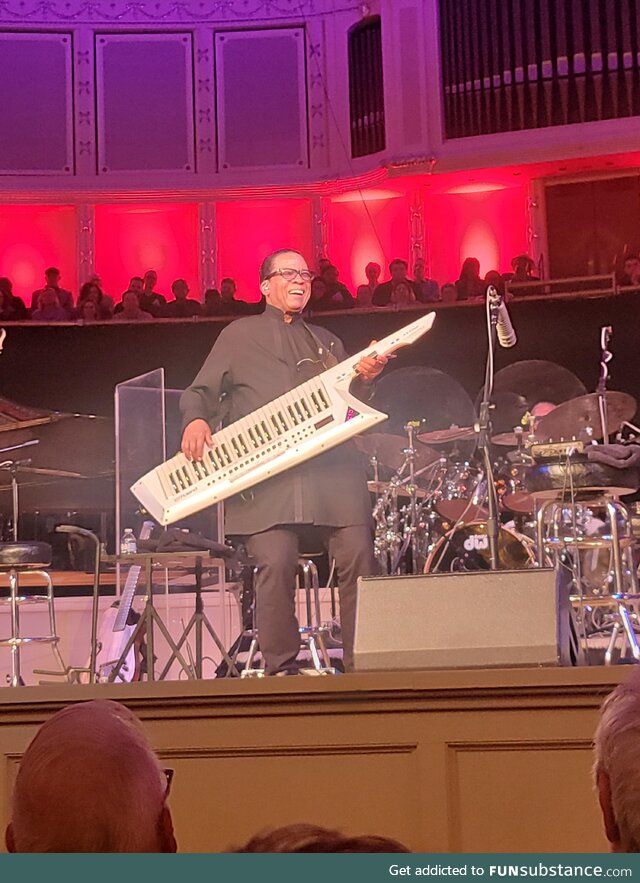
(52, 279)
(130, 302)
(330, 275)
(632, 267)
(288, 296)
(227, 290)
(180, 290)
(418, 270)
(136, 285)
(150, 279)
(398, 271)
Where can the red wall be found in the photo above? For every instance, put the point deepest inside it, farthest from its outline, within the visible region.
(34, 237)
(131, 239)
(248, 230)
(490, 225)
(372, 226)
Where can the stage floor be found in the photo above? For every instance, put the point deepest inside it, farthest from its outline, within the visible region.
(461, 761)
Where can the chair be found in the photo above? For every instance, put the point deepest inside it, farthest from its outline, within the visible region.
(18, 559)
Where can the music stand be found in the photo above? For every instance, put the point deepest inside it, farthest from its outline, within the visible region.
(150, 616)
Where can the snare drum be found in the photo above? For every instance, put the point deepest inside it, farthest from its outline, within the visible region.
(462, 493)
(466, 548)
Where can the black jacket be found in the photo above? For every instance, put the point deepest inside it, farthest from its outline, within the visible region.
(253, 361)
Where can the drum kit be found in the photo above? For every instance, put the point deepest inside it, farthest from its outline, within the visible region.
(430, 486)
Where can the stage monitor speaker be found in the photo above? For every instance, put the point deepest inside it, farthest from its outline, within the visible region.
(462, 620)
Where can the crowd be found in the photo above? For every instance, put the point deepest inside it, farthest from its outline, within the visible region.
(142, 302)
(90, 782)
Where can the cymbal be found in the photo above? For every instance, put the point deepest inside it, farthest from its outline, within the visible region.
(389, 450)
(445, 436)
(41, 470)
(510, 439)
(579, 416)
(537, 380)
(426, 395)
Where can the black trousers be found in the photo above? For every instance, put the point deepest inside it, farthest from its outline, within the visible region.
(276, 556)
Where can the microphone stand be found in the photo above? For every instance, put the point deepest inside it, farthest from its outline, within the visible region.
(601, 389)
(483, 429)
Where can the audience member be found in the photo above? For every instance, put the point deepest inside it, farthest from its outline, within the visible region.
(231, 305)
(182, 307)
(398, 271)
(90, 782)
(617, 765)
(402, 295)
(136, 283)
(470, 285)
(427, 290)
(52, 278)
(323, 263)
(631, 271)
(90, 291)
(131, 311)
(448, 293)
(87, 312)
(12, 308)
(337, 295)
(523, 267)
(150, 300)
(364, 293)
(107, 301)
(315, 838)
(49, 309)
(212, 303)
(496, 279)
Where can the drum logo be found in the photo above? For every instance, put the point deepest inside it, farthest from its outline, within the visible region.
(476, 543)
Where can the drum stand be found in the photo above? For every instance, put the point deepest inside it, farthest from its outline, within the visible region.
(622, 599)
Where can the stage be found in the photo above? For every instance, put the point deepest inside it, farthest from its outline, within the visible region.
(459, 761)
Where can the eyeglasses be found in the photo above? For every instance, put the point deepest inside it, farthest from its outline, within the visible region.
(169, 777)
(289, 274)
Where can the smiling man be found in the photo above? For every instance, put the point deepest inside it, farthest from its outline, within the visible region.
(324, 500)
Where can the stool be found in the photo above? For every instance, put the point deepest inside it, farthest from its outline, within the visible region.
(17, 559)
(556, 534)
(313, 635)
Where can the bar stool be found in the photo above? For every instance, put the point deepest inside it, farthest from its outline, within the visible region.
(17, 559)
(313, 634)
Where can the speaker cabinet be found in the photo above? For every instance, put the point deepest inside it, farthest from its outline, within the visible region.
(462, 620)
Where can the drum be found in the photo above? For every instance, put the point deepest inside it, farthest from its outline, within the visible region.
(462, 493)
(466, 548)
(512, 488)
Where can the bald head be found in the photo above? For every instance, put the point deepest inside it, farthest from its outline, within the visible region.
(90, 782)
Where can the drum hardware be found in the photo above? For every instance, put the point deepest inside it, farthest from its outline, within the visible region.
(601, 389)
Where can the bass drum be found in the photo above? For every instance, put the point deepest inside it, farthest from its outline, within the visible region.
(466, 549)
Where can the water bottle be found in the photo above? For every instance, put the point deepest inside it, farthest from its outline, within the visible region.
(128, 543)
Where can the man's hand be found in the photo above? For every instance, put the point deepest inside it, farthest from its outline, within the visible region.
(196, 435)
(368, 368)
(618, 456)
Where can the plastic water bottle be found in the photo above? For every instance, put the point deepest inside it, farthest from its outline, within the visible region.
(128, 543)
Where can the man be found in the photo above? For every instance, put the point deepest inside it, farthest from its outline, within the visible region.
(523, 267)
(631, 273)
(183, 306)
(136, 283)
(427, 290)
(325, 499)
(130, 310)
(617, 765)
(49, 309)
(364, 293)
(52, 278)
(150, 300)
(89, 782)
(230, 305)
(398, 270)
(337, 295)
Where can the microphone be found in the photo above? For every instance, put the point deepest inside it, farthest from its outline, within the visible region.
(506, 334)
